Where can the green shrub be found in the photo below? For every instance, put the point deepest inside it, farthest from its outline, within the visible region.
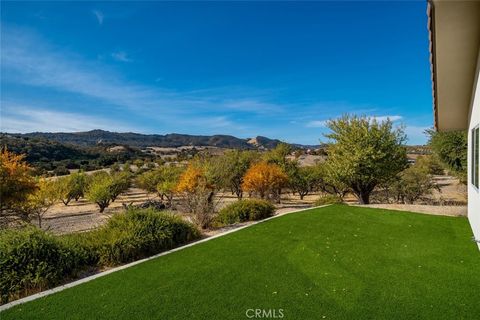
(431, 164)
(412, 184)
(138, 234)
(245, 210)
(328, 199)
(82, 246)
(32, 260)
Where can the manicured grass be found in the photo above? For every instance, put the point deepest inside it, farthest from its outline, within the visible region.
(337, 262)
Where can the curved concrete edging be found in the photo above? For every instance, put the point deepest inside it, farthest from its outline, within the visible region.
(131, 264)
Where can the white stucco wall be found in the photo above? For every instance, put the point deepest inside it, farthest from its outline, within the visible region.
(474, 193)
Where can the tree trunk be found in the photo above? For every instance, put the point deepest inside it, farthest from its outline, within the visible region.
(102, 206)
(170, 200)
(210, 197)
(363, 197)
(238, 193)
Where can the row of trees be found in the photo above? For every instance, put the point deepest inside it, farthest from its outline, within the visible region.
(240, 172)
(25, 197)
(363, 156)
(451, 150)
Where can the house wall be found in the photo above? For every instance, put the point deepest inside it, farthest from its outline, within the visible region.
(473, 192)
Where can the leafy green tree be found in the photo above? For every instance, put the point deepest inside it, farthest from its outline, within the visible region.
(305, 179)
(413, 183)
(72, 187)
(61, 171)
(364, 153)
(279, 155)
(127, 167)
(167, 190)
(99, 191)
(430, 163)
(138, 163)
(451, 148)
(105, 188)
(39, 202)
(115, 167)
(121, 182)
(327, 184)
(213, 171)
(166, 187)
(149, 180)
(235, 164)
(161, 180)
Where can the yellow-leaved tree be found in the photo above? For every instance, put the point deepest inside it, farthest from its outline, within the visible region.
(197, 186)
(16, 184)
(41, 200)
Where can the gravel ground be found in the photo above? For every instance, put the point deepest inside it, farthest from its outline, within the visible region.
(420, 208)
(81, 215)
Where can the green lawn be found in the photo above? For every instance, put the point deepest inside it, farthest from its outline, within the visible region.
(337, 262)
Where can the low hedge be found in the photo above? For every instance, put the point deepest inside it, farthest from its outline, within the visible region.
(138, 234)
(245, 210)
(328, 199)
(33, 260)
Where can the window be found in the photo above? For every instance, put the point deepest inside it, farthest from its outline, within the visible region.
(475, 155)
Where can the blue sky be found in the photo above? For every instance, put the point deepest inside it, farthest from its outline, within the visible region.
(240, 68)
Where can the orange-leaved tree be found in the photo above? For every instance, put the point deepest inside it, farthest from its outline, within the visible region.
(16, 184)
(197, 191)
(264, 179)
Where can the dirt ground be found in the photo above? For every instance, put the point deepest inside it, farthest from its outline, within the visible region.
(82, 215)
(422, 208)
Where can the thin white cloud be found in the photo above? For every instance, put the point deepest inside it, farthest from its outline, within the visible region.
(385, 118)
(323, 123)
(252, 105)
(316, 123)
(99, 16)
(28, 59)
(218, 122)
(416, 134)
(19, 119)
(121, 56)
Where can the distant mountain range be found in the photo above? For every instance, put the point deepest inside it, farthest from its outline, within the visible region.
(102, 137)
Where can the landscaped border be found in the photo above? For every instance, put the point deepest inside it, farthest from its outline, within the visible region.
(131, 264)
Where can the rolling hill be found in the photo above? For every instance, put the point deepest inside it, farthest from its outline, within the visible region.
(101, 137)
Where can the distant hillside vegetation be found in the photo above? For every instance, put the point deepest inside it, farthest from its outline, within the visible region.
(47, 155)
(99, 137)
